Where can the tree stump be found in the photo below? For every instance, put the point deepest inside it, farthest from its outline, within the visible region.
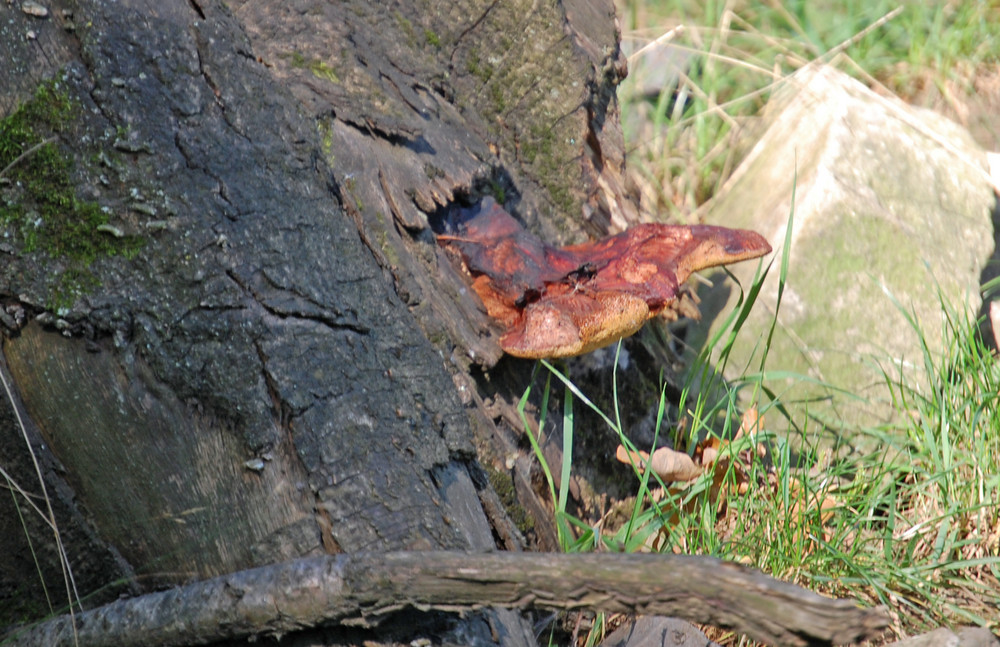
(230, 336)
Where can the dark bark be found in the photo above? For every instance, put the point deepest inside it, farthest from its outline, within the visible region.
(233, 367)
(422, 106)
(254, 323)
(365, 589)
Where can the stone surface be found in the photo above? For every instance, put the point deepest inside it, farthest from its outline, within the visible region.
(977, 637)
(892, 212)
(657, 631)
(943, 637)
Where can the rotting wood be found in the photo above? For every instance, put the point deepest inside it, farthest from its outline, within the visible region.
(360, 588)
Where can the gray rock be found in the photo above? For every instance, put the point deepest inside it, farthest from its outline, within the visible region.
(892, 204)
(977, 637)
(657, 631)
(942, 637)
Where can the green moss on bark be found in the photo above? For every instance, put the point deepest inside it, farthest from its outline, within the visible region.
(38, 205)
(504, 486)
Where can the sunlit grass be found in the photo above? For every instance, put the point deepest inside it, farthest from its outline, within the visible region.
(912, 525)
(731, 56)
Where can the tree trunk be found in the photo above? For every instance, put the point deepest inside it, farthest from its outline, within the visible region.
(219, 276)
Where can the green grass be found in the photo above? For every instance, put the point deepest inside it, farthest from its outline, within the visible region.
(685, 144)
(913, 525)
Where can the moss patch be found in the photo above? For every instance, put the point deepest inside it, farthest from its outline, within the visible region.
(477, 68)
(406, 27)
(504, 486)
(39, 207)
(323, 71)
(432, 38)
(325, 128)
(320, 69)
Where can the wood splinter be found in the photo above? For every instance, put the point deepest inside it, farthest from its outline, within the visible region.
(565, 301)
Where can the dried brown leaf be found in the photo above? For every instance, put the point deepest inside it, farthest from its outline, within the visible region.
(670, 465)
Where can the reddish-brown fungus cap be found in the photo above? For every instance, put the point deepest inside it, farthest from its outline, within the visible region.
(558, 302)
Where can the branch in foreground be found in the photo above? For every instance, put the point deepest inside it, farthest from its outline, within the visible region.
(361, 587)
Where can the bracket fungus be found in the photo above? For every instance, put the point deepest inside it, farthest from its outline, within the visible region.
(565, 301)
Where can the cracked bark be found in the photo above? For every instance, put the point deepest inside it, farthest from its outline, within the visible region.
(256, 384)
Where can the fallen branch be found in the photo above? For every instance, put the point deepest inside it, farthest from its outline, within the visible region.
(359, 588)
